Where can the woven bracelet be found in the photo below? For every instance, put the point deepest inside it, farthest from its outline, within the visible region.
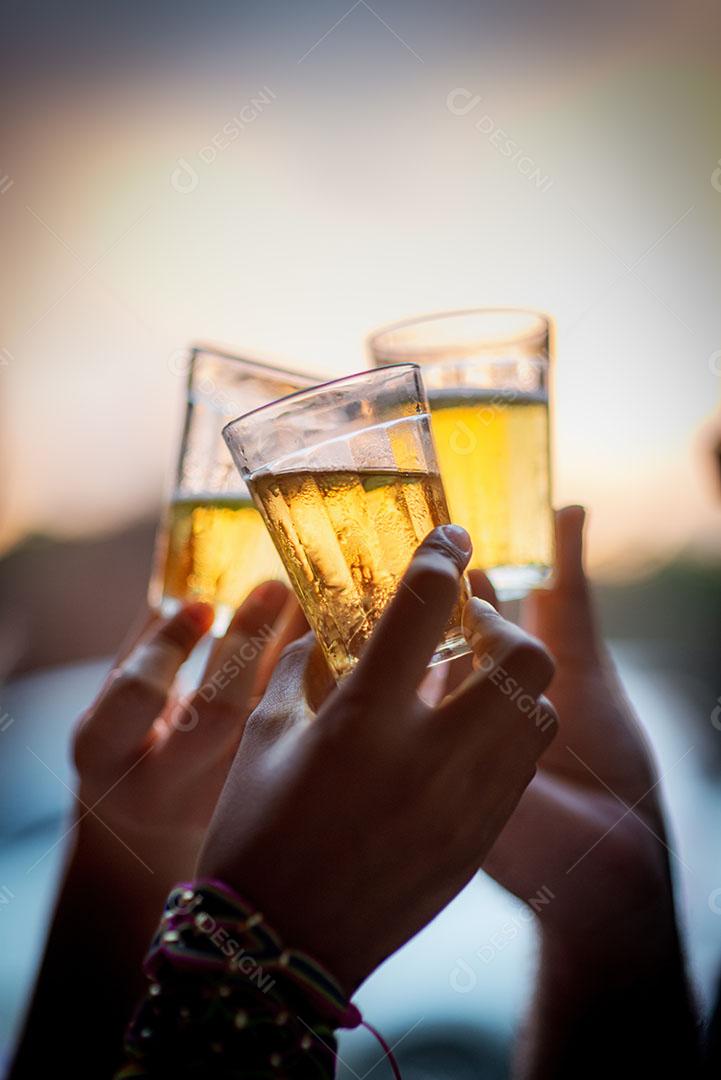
(227, 998)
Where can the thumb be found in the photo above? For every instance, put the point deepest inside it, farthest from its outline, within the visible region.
(299, 683)
(570, 575)
(563, 616)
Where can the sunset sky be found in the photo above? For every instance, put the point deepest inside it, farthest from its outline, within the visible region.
(284, 178)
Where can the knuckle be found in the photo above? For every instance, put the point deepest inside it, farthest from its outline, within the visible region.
(131, 689)
(266, 724)
(544, 721)
(524, 781)
(356, 700)
(534, 659)
(178, 635)
(84, 747)
(184, 715)
(259, 718)
(549, 728)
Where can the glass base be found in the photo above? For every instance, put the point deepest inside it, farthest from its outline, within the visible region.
(515, 582)
(450, 650)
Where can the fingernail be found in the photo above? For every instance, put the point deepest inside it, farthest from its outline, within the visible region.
(263, 604)
(483, 628)
(458, 537)
(478, 611)
(453, 541)
(482, 607)
(575, 510)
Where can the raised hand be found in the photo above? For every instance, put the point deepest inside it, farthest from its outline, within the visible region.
(575, 826)
(612, 997)
(151, 765)
(150, 768)
(352, 827)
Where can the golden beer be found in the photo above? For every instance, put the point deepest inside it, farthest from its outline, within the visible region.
(487, 374)
(345, 539)
(212, 544)
(492, 449)
(215, 548)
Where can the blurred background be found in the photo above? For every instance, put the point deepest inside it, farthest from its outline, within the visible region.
(282, 178)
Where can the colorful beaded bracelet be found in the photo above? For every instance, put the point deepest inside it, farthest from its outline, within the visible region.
(226, 998)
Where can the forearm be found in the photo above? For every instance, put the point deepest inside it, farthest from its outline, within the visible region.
(610, 1010)
(91, 977)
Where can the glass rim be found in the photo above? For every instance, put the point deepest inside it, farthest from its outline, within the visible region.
(542, 328)
(260, 367)
(320, 387)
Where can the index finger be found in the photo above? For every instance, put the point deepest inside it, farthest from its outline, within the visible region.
(569, 574)
(285, 702)
(146, 619)
(137, 690)
(290, 626)
(513, 669)
(498, 643)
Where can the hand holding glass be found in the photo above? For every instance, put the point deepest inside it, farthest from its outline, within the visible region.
(346, 478)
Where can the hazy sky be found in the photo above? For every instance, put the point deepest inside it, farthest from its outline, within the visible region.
(285, 177)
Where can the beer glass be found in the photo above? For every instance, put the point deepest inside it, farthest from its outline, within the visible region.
(486, 373)
(212, 544)
(346, 478)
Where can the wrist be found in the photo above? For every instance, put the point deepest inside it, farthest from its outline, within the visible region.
(608, 1005)
(143, 860)
(117, 873)
(636, 946)
(271, 1003)
(625, 903)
